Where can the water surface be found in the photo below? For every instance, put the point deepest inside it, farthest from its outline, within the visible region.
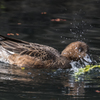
(55, 23)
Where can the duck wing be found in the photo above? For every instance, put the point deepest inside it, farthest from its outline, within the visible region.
(13, 46)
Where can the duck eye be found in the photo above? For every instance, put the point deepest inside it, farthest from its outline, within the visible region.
(81, 49)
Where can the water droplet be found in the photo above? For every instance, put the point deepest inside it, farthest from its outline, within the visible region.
(82, 21)
(71, 23)
(63, 42)
(55, 72)
(71, 30)
(82, 32)
(29, 73)
(73, 33)
(80, 35)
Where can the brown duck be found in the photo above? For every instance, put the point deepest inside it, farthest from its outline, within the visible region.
(25, 54)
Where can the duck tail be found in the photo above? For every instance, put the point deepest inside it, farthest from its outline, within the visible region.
(2, 37)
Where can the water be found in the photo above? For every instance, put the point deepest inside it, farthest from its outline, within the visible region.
(55, 23)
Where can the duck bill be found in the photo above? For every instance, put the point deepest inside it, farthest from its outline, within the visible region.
(87, 60)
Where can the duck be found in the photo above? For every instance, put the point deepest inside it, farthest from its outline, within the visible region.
(33, 55)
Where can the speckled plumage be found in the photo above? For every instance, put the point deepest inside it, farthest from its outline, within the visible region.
(22, 53)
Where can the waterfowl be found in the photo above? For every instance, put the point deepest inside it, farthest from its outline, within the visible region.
(25, 54)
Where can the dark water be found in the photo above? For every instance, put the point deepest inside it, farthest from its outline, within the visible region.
(55, 23)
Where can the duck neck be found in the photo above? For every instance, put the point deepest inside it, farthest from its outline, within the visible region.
(63, 62)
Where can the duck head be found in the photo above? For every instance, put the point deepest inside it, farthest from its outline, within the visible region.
(77, 51)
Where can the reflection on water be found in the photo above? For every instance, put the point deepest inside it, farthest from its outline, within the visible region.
(55, 23)
(45, 84)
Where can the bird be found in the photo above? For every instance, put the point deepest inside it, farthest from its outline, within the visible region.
(33, 55)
